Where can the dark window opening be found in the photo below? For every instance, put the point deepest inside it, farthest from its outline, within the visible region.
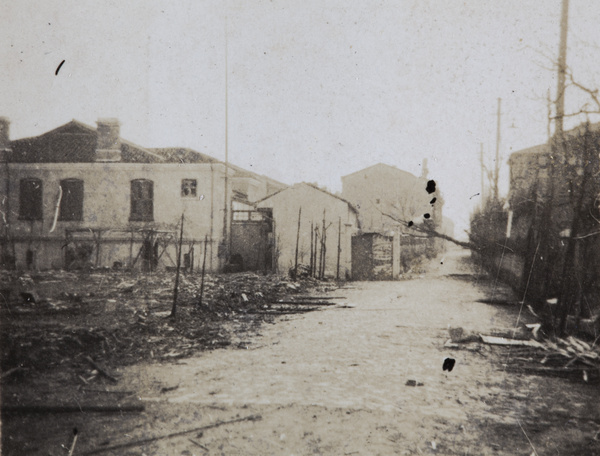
(31, 200)
(189, 187)
(71, 203)
(142, 200)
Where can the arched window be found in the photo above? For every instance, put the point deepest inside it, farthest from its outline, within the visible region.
(71, 202)
(31, 199)
(142, 200)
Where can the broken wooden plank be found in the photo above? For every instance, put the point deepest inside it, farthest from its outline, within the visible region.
(173, 434)
(10, 372)
(493, 340)
(282, 312)
(72, 408)
(199, 444)
(321, 297)
(305, 303)
(100, 369)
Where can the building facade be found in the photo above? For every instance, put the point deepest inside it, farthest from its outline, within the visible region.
(390, 200)
(327, 224)
(79, 196)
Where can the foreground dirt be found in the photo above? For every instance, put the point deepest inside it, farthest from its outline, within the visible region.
(362, 377)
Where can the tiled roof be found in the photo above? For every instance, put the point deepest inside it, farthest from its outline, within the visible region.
(187, 155)
(183, 155)
(73, 142)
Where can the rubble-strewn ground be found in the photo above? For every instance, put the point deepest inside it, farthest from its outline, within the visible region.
(119, 318)
(361, 377)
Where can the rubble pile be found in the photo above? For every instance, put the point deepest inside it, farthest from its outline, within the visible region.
(60, 319)
(570, 357)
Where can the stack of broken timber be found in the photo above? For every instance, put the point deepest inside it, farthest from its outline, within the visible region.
(298, 304)
(570, 357)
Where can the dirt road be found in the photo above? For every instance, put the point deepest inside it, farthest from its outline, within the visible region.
(363, 377)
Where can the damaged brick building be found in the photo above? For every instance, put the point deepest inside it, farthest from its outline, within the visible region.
(79, 196)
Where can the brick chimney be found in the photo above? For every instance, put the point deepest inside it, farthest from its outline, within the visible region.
(5, 149)
(108, 148)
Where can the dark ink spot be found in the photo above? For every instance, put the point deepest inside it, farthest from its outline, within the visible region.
(75, 431)
(433, 201)
(58, 69)
(448, 364)
(410, 223)
(426, 216)
(430, 186)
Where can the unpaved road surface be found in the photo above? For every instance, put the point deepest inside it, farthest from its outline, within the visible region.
(362, 377)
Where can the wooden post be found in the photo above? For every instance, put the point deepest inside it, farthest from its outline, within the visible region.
(175, 291)
(312, 234)
(97, 241)
(337, 274)
(131, 250)
(191, 254)
(323, 249)
(297, 243)
(315, 251)
(203, 270)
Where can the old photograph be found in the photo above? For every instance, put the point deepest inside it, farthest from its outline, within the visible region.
(283, 227)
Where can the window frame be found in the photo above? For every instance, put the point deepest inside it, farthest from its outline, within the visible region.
(138, 197)
(77, 215)
(192, 185)
(35, 209)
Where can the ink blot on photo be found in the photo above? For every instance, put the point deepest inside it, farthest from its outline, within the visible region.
(449, 364)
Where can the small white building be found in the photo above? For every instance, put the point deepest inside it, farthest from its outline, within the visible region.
(321, 212)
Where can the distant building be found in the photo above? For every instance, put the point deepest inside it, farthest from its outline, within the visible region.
(390, 200)
(554, 203)
(79, 196)
(319, 209)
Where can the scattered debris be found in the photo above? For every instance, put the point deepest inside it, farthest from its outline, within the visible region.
(535, 328)
(413, 383)
(460, 335)
(173, 434)
(72, 449)
(101, 370)
(570, 357)
(166, 389)
(199, 444)
(118, 317)
(493, 340)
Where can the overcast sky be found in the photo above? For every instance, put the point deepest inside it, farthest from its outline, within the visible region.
(317, 89)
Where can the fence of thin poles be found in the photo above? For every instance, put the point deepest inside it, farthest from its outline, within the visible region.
(318, 247)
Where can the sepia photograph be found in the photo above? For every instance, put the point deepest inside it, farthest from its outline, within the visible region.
(283, 227)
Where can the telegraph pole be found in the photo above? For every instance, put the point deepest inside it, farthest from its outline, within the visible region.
(497, 164)
(562, 68)
(226, 192)
(482, 172)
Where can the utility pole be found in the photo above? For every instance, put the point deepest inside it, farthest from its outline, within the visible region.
(225, 250)
(482, 173)
(562, 69)
(497, 164)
